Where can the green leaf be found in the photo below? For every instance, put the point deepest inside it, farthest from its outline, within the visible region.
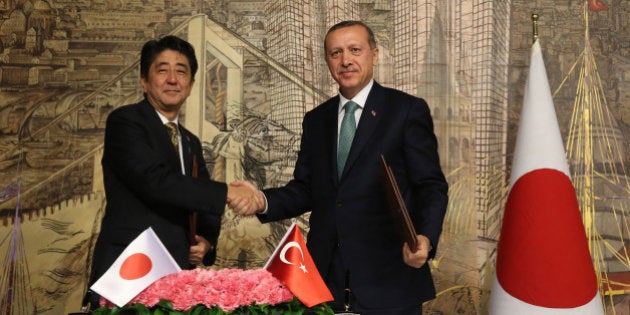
(166, 304)
(196, 310)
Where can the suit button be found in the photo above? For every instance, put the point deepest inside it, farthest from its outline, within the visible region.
(338, 204)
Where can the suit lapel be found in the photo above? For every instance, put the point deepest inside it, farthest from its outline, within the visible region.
(157, 129)
(186, 150)
(330, 124)
(367, 123)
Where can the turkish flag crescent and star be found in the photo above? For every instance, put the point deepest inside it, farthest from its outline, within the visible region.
(543, 262)
(291, 263)
(144, 261)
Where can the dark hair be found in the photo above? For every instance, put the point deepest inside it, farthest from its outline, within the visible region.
(371, 38)
(152, 48)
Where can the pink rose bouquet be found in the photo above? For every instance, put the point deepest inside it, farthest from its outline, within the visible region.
(215, 292)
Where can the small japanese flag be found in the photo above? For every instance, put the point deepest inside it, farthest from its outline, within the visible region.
(143, 262)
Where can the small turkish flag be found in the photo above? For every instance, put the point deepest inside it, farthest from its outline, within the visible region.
(144, 261)
(291, 263)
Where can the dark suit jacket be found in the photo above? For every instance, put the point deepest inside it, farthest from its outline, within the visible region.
(349, 216)
(145, 188)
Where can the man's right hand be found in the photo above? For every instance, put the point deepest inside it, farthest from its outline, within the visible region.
(244, 198)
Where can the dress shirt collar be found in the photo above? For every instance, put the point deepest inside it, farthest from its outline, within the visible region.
(165, 120)
(360, 98)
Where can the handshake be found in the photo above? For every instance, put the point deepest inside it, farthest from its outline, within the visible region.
(245, 199)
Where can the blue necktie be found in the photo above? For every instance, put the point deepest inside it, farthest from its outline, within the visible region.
(346, 134)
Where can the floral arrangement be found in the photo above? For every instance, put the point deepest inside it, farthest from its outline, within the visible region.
(215, 292)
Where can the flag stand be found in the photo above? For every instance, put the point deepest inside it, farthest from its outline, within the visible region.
(534, 27)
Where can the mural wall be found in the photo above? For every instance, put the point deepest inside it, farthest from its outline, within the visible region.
(65, 65)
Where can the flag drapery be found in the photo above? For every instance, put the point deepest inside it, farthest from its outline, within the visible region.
(596, 5)
(292, 264)
(543, 263)
(144, 261)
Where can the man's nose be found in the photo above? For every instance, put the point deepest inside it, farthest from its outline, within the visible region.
(171, 77)
(346, 58)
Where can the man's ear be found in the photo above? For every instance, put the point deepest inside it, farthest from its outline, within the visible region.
(143, 83)
(375, 56)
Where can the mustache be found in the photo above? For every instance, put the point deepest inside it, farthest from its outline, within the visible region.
(347, 69)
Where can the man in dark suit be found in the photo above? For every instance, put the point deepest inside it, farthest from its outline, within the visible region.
(353, 238)
(148, 171)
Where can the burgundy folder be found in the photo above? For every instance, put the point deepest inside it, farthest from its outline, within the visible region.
(398, 208)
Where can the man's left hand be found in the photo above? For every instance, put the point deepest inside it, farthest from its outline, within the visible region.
(199, 250)
(421, 255)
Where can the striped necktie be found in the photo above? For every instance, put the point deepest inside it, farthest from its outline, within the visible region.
(171, 127)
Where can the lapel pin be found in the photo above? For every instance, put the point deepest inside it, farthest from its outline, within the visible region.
(373, 114)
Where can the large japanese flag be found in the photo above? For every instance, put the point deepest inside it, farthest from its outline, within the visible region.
(543, 262)
(143, 262)
(291, 263)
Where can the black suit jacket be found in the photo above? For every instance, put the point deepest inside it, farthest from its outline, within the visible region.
(349, 216)
(145, 188)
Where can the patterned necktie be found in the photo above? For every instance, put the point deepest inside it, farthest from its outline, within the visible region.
(346, 134)
(171, 127)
